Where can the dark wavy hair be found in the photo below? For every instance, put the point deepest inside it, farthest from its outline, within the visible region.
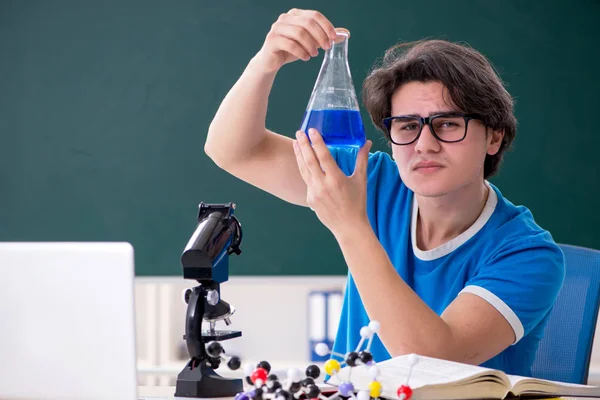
(467, 76)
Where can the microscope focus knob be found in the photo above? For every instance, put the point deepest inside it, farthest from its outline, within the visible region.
(214, 349)
(185, 295)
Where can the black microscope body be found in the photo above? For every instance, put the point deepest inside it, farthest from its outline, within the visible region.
(206, 260)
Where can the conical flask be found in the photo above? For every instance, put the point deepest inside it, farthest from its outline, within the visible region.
(333, 108)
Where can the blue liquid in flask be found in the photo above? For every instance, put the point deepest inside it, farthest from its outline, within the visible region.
(340, 128)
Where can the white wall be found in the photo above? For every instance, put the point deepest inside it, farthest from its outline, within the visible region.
(271, 312)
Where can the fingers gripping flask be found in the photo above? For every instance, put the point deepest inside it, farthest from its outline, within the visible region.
(333, 107)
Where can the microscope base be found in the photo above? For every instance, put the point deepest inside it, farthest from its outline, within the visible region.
(203, 381)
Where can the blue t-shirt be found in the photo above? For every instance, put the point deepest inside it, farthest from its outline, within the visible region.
(505, 258)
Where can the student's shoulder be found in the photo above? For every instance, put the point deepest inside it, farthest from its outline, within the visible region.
(515, 221)
(516, 234)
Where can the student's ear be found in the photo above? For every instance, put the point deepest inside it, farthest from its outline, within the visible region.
(494, 142)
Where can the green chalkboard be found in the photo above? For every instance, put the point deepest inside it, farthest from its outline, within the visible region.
(105, 105)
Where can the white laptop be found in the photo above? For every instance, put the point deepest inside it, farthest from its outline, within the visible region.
(67, 327)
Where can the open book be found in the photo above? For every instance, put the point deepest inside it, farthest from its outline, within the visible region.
(433, 378)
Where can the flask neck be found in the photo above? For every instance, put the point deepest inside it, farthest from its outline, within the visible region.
(338, 51)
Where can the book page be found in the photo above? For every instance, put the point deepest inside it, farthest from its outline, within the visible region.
(531, 386)
(427, 371)
(514, 379)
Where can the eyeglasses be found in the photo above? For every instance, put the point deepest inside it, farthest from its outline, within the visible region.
(446, 127)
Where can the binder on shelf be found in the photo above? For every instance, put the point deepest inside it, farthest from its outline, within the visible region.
(324, 309)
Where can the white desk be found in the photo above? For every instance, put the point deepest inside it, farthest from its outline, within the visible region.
(166, 393)
(163, 393)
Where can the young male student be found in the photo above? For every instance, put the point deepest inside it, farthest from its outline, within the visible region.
(449, 266)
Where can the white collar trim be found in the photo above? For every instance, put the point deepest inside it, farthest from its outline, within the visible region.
(450, 246)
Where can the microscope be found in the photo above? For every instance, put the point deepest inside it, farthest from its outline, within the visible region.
(206, 260)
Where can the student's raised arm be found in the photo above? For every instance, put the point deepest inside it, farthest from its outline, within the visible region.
(238, 140)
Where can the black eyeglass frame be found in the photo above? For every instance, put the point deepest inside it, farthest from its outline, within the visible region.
(427, 120)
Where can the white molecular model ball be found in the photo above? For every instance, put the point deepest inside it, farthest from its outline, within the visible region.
(322, 349)
(374, 326)
(363, 395)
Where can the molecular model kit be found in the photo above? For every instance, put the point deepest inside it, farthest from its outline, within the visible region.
(262, 385)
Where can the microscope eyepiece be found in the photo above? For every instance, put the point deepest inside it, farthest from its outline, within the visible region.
(217, 235)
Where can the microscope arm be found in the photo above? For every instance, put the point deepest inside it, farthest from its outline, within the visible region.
(199, 309)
